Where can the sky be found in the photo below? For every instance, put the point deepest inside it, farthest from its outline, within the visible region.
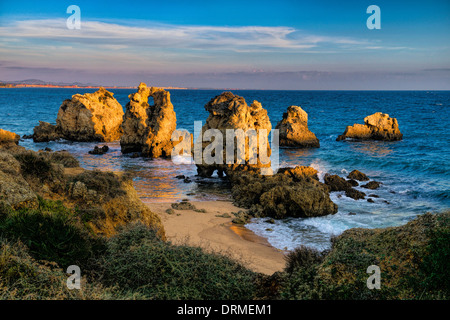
(283, 44)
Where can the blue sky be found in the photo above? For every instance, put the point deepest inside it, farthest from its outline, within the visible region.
(229, 44)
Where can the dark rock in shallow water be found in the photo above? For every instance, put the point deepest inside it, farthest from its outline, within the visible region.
(357, 175)
(181, 176)
(370, 200)
(373, 195)
(187, 180)
(354, 194)
(99, 151)
(45, 132)
(336, 183)
(352, 214)
(353, 182)
(284, 194)
(372, 185)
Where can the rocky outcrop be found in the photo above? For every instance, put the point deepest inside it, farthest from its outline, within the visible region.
(45, 132)
(291, 192)
(229, 111)
(336, 183)
(294, 130)
(15, 192)
(378, 126)
(8, 139)
(358, 175)
(148, 128)
(89, 117)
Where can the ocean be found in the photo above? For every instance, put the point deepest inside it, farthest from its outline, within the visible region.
(414, 172)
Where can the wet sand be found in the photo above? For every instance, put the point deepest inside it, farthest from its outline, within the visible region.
(219, 234)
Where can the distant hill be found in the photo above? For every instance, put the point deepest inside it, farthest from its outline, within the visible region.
(39, 82)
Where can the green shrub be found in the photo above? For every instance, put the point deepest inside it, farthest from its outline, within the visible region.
(435, 267)
(104, 183)
(51, 233)
(61, 157)
(138, 261)
(35, 165)
(23, 278)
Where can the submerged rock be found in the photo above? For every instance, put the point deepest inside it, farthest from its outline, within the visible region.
(99, 151)
(294, 130)
(378, 126)
(148, 128)
(372, 185)
(229, 111)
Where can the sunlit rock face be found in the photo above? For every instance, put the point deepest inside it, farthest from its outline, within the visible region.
(86, 117)
(294, 130)
(8, 139)
(148, 128)
(229, 111)
(90, 117)
(378, 126)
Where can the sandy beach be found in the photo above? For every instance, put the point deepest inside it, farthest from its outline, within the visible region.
(212, 232)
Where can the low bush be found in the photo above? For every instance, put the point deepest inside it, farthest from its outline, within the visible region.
(137, 260)
(51, 233)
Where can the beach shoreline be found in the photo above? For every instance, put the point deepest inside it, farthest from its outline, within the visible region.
(216, 233)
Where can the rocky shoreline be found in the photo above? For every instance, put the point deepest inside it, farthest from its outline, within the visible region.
(103, 210)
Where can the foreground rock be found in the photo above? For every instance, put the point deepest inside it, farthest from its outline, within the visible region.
(378, 126)
(89, 117)
(148, 128)
(292, 192)
(8, 139)
(229, 111)
(294, 130)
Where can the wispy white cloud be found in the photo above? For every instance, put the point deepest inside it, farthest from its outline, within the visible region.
(118, 36)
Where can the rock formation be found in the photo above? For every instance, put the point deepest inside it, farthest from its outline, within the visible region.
(358, 175)
(45, 132)
(89, 117)
(294, 130)
(229, 111)
(291, 192)
(378, 126)
(8, 139)
(148, 128)
(336, 183)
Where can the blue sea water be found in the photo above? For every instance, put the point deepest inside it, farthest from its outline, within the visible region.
(414, 172)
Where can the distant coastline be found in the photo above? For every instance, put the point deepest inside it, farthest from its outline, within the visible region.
(34, 83)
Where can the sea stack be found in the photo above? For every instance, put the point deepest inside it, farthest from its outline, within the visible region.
(89, 117)
(229, 111)
(148, 129)
(378, 126)
(294, 130)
